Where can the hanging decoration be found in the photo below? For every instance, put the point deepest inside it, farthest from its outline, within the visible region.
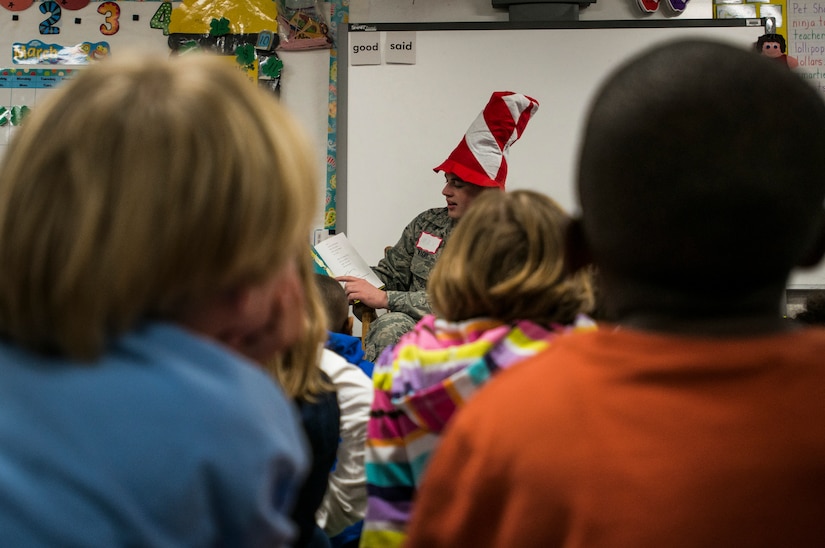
(302, 25)
(244, 31)
(36, 52)
(650, 6)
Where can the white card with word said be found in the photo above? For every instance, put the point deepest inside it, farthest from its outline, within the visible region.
(399, 48)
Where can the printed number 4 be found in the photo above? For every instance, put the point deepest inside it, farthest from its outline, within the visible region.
(160, 20)
(111, 13)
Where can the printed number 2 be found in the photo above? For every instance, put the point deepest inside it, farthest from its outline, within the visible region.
(47, 26)
(111, 11)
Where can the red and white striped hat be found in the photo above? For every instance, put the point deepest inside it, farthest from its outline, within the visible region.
(481, 156)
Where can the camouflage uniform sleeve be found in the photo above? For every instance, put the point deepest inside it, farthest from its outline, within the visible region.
(394, 268)
(404, 270)
(412, 303)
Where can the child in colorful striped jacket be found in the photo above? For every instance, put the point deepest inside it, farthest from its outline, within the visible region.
(501, 292)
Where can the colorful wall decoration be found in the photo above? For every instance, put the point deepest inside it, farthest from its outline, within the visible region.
(339, 16)
(45, 42)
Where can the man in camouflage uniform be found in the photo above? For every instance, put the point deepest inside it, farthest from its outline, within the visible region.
(476, 165)
(406, 267)
(404, 271)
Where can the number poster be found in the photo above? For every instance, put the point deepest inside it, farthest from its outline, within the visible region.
(43, 43)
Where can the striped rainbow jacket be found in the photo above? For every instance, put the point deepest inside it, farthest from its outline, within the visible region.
(419, 384)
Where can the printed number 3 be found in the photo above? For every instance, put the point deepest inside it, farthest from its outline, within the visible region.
(48, 26)
(111, 11)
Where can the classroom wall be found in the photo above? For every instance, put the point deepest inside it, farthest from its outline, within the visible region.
(305, 77)
(305, 81)
(425, 11)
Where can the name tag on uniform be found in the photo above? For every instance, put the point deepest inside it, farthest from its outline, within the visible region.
(428, 242)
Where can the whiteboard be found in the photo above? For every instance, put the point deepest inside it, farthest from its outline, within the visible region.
(396, 122)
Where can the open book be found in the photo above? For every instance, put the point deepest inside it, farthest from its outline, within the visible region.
(340, 258)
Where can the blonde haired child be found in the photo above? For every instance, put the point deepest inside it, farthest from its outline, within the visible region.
(509, 265)
(151, 213)
(299, 371)
(501, 292)
(334, 398)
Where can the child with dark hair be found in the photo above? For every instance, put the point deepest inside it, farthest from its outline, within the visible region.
(340, 340)
(335, 303)
(695, 418)
(342, 510)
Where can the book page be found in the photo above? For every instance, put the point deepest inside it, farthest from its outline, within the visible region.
(344, 260)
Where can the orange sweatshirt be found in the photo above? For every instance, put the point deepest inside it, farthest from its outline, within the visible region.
(622, 438)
